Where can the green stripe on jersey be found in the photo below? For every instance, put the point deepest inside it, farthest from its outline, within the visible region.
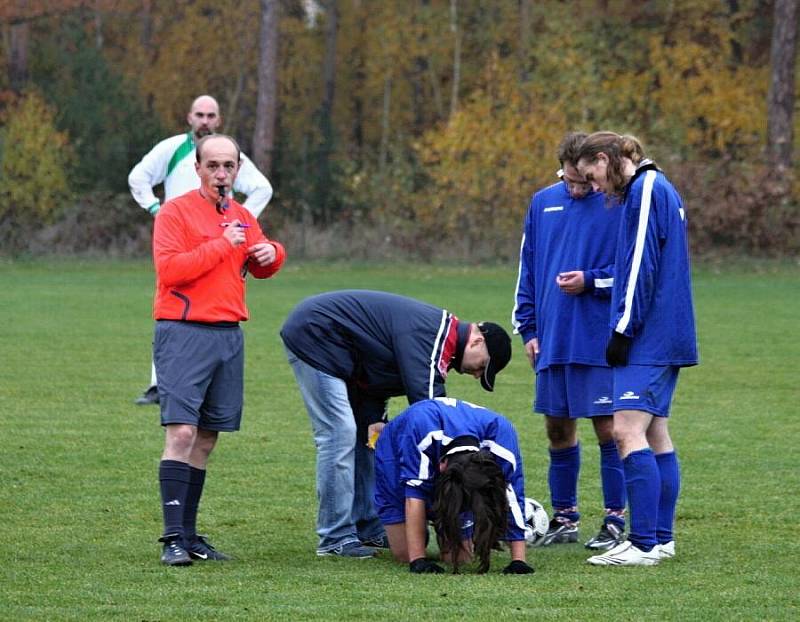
(181, 152)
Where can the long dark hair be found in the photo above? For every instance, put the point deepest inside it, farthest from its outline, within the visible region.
(471, 482)
(615, 147)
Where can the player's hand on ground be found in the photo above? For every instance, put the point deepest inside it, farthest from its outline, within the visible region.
(425, 566)
(617, 350)
(262, 253)
(234, 233)
(532, 350)
(517, 566)
(571, 283)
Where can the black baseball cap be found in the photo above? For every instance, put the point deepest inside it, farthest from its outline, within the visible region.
(498, 343)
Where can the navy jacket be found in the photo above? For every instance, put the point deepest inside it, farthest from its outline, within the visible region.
(382, 345)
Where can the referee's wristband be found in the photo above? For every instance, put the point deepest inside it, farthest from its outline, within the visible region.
(153, 209)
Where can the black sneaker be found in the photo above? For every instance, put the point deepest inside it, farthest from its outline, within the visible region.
(381, 542)
(174, 554)
(559, 532)
(609, 536)
(150, 396)
(201, 550)
(351, 549)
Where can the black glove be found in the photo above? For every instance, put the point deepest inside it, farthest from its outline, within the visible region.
(518, 566)
(425, 566)
(617, 350)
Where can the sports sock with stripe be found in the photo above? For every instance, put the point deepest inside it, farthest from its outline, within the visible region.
(670, 470)
(197, 478)
(173, 477)
(565, 466)
(643, 484)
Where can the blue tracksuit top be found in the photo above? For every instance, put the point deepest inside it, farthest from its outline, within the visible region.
(381, 344)
(418, 433)
(652, 295)
(563, 234)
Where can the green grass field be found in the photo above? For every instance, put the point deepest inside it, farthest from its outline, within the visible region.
(79, 509)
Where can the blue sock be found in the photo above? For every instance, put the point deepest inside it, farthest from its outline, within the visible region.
(173, 476)
(197, 478)
(643, 483)
(670, 470)
(565, 465)
(613, 479)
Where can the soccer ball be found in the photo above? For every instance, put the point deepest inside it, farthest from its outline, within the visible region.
(536, 521)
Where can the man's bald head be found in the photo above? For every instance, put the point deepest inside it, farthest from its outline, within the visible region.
(204, 116)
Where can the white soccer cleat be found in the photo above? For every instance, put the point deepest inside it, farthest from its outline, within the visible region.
(627, 554)
(666, 550)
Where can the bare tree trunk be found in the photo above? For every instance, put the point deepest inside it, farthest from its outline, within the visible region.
(385, 126)
(359, 80)
(98, 26)
(524, 37)
(329, 63)
(18, 56)
(456, 56)
(267, 104)
(146, 21)
(324, 180)
(436, 88)
(780, 101)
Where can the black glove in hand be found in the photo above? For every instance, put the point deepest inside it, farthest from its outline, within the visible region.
(617, 350)
(518, 566)
(425, 566)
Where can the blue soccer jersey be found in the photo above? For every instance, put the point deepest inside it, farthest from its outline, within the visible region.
(652, 294)
(415, 439)
(564, 234)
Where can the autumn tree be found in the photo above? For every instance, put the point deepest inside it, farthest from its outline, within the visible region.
(780, 129)
(34, 163)
(267, 102)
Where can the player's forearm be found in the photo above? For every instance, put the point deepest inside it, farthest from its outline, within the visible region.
(416, 524)
(517, 549)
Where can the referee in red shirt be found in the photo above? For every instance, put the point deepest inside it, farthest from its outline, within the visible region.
(204, 244)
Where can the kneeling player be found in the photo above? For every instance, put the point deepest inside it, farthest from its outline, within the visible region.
(458, 465)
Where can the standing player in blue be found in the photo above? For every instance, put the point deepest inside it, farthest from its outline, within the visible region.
(459, 465)
(561, 311)
(652, 337)
(350, 352)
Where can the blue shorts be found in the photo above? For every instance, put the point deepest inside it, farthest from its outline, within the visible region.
(573, 391)
(390, 498)
(647, 388)
(200, 371)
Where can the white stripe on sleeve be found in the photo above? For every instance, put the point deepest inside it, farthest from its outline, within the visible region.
(436, 344)
(514, 321)
(638, 250)
(516, 511)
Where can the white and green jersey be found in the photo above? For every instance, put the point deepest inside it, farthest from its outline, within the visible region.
(171, 162)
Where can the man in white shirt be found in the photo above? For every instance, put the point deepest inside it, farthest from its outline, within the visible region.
(171, 162)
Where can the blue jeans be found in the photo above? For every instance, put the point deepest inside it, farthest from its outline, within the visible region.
(345, 468)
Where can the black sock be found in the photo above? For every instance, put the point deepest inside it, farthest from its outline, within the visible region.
(173, 477)
(197, 478)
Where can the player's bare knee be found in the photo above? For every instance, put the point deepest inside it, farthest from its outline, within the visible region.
(561, 432)
(603, 429)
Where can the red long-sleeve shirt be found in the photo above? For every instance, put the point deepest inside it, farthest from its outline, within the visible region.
(199, 276)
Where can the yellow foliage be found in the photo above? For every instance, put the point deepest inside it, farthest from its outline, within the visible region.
(33, 162)
(489, 159)
(720, 107)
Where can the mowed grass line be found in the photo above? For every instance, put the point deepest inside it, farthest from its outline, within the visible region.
(79, 500)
